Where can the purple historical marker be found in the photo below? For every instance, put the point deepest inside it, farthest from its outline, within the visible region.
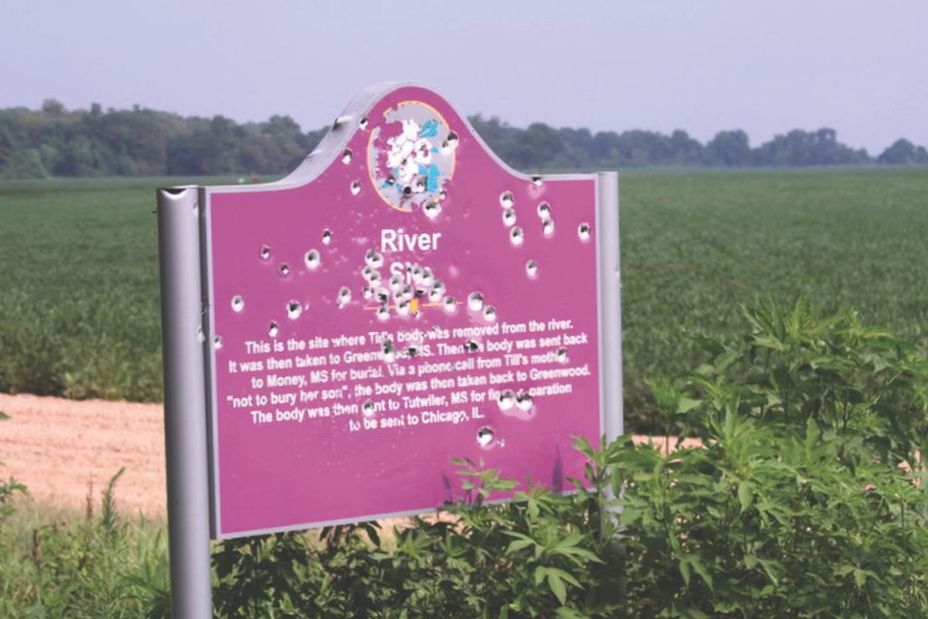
(402, 299)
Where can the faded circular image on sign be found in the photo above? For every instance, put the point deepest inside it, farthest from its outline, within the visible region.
(411, 155)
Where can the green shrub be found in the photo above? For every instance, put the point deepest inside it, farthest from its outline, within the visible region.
(763, 524)
(545, 555)
(862, 386)
(805, 499)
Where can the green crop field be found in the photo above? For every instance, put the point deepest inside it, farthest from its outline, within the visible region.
(79, 277)
(79, 301)
(696, 246)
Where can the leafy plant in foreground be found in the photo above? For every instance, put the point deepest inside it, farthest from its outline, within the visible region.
(544, 555)
(761, 524)
(804, 499)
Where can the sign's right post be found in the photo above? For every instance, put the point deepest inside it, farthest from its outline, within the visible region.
(610, 302)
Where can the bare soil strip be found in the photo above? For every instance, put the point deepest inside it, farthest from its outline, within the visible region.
(59, 447)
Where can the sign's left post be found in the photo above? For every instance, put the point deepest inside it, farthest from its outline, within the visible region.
(185, 422)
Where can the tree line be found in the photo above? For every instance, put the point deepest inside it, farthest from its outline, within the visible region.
(55, 141)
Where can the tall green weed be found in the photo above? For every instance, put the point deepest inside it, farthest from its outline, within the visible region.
(98, 565)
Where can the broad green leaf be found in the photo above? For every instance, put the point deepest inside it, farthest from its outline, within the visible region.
(860, 578)
(687, 404)
(574, 551)
(684, 567)
(518, 545)
(745, 495)
(540, 573)
(701, 570)
(557, 586)
(565, 575)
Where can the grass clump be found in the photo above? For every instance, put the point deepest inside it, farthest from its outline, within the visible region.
(61, 564)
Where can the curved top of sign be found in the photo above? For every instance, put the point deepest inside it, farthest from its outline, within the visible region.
(410, 137)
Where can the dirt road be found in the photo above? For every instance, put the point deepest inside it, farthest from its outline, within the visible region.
(58, 447)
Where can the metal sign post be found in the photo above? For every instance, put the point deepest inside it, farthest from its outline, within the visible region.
(184, 402)
(610, 305)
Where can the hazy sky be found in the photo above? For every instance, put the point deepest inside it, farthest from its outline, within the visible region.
(860, 67)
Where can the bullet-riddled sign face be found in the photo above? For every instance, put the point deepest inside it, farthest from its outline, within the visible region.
(403, 299)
